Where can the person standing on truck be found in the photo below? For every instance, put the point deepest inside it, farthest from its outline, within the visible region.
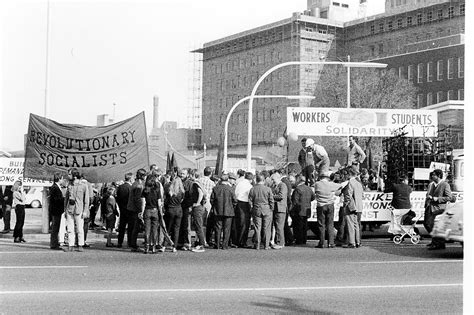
(438, 195)
(356, 155)
(320, 155)
(306, 161)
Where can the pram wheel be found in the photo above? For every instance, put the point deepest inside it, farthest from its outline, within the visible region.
(398, 239)
(415, 239)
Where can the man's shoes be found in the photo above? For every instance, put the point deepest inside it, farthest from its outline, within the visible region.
(348, 246)
(358, 245)
(331, 246)
(56, 248)
(22, 240)
(136, 250)
(267, 248)
(277, 246)
(68, 249)
(319, 246)
(80, 248)
(16, 240)
(109, 245)
(174, 250)
(86, 245)
(6, 231)
(198, 249)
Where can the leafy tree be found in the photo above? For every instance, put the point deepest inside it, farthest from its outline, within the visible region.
(370, 88)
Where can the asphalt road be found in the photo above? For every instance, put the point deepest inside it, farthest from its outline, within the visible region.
(379, 277)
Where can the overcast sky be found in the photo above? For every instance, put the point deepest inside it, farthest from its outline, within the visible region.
(106, 52)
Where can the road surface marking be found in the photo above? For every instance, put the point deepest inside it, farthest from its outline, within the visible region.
(390, 287)
(407, 261)
(40, 267)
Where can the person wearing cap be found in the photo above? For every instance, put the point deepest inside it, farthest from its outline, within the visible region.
(223, 201)
(356, 155)
(280, 193)
(301, 207)
(325, 190)
(320, 155)
(262, 203)
(134, 205)
(208, 186)
(353, 193)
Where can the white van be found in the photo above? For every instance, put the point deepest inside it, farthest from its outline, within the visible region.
(34, 196)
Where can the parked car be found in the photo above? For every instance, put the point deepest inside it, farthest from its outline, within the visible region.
(34, 196)
(449, 225)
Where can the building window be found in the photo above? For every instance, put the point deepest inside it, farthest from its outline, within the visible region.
(450, 12)
(409, 21)
(450, 69)
(462, 9)
(450, 95)
(439, 70)
(399, 23)
(429, 99)
(461, 67)
(380, 49)
(439, 97)
(429, 16)
(345, 5)
(336, 4)
(372, 29)
(400, 72)
(410, 73)
(440, 14)
(390, 25)
(420, 73)
(372, 51)
(381, 25)
(419, 18)
(461, 94)
(419, 100)
(429, 72)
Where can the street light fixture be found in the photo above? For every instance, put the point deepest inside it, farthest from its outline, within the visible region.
(293, 63)
(226, 125)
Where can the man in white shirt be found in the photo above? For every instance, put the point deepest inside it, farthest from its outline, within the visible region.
(242, 211)
(320, 155)
(356, 155)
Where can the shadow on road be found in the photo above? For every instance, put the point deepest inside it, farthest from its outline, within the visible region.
(287, 305)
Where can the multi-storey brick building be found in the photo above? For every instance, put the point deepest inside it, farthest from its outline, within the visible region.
(422, 41)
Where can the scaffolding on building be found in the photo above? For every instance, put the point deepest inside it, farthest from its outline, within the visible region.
(194, 111)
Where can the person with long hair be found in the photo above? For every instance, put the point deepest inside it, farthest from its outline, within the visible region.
(174, 211)
(19, 206)
(151, 203)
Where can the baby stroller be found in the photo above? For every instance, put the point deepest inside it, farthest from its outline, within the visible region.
(403, 225)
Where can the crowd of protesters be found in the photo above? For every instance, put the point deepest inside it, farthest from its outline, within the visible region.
(221, 208)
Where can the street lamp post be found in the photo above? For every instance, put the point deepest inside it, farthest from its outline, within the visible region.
(293, 63)
(226, 125)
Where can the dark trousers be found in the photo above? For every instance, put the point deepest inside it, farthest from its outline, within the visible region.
(308, 172)
(55, 223)
(300, 229)
(198, 213)
(341, 236)
(233, 233)
(279, 223)
(288, 233)
(428, 221)
(93, 212)
(124, 221)
(86, 228)
(7, 213)
(326, 223)
(185, 228)
(223, 224)
(20, 221)
(151, 226)
(210, 227)
(134, 225)
(359, 221)
(173, 223)
(242, 222)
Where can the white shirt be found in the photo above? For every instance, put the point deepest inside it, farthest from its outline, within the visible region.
(320, 151)
(242, 190)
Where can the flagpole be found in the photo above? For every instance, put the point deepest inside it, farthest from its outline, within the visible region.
(45, 199)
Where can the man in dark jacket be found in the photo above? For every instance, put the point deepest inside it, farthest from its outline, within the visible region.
(123, 193)
(223, 201)
(301, 203)
(56, 210)
(288, 233)
(280, 193)
(6, 194)
(438, 195)
(262, 203)
(134, 205)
